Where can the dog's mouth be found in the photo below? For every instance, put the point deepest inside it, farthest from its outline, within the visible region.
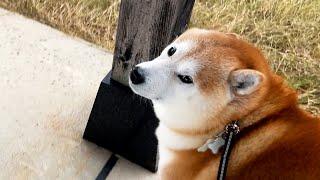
(139, 90)
(134, 88)
(144, 92)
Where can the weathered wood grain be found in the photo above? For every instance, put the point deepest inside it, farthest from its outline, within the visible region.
(145, 27)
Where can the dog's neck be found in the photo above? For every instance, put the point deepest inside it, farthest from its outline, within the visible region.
(185, 163)
(174, 140)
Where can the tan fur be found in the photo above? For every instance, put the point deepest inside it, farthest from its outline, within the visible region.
(278, 140)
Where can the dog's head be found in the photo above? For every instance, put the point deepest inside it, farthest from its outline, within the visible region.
(200, 75)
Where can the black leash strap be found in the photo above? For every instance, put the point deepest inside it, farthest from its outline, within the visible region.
(231, 131)
(107, 167)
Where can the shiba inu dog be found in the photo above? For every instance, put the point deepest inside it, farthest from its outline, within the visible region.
(206, 79)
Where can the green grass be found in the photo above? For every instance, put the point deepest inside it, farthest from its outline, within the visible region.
(287, 31)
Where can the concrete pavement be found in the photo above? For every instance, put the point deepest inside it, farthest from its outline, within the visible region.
(48, 82)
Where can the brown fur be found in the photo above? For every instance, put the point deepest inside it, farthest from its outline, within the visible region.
(278, 140)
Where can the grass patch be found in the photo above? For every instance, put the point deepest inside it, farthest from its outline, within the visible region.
(287, 31)
(92, 20)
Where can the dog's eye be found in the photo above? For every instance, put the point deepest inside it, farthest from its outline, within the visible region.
(185, 79)
(171, 51)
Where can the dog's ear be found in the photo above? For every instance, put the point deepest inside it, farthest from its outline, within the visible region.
(233, 35)
(245, 81)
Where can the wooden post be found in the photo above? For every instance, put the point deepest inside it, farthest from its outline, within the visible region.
(120, 121)
(145, 27)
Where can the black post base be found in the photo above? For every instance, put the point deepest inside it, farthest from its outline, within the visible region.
(124, 123)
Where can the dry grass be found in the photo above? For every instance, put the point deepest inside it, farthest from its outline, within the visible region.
(288, 31)
(93, 20)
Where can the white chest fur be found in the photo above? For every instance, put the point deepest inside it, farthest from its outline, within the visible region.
(173, 140)
(169, 139)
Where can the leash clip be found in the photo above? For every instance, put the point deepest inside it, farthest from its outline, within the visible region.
(232, 127)
(216, 144)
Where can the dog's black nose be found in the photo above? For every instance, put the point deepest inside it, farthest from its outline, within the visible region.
(136, 76)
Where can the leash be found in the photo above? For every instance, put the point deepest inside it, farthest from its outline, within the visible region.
(107, 167)
(231, 130)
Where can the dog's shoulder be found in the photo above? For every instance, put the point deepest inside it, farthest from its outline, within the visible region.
(295, 155)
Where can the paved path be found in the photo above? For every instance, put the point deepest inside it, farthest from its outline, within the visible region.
(48, 82)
